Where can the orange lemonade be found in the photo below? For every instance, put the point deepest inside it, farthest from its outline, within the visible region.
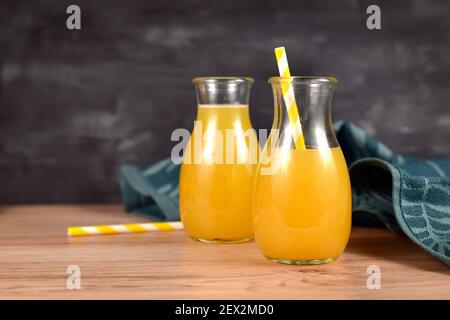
(303, 210)
(216, 194)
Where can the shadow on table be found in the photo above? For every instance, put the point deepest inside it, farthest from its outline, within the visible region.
(386, 245)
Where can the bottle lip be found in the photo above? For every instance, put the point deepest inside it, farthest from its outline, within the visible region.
(309, 80)
(223, 79)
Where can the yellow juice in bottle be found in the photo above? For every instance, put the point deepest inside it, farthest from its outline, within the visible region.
(216, 194)
(303, 210)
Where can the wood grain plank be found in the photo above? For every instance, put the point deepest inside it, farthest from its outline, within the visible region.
(35, 252)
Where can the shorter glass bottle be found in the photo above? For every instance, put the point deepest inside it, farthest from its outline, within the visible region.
(302, 204)
(219, 163)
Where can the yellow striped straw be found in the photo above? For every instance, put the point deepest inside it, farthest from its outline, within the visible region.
(289, 99)
(124, 228)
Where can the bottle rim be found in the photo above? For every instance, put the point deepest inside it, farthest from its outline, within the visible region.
(304, 80)
(223, 79)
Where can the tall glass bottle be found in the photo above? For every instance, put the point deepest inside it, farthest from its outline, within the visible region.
(219, 163)
(302, 200)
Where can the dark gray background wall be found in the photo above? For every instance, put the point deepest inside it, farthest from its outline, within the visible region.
(74, 105)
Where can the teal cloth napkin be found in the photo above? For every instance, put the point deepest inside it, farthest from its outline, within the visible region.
(405, 194)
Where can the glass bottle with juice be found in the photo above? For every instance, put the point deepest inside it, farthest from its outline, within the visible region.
(219, 163)
(302, 198)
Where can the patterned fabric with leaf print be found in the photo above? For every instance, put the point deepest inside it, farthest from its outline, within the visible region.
(404, 193)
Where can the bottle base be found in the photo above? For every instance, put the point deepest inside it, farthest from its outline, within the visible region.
(302, 262)
(223, 241)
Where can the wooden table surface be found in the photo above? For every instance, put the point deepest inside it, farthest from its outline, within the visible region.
(35, 253)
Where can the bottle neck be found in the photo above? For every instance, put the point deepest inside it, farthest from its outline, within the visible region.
(313, 97)
(222, 90)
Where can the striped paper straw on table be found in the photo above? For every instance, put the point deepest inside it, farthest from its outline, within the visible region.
(124, 228)
(289, 98)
